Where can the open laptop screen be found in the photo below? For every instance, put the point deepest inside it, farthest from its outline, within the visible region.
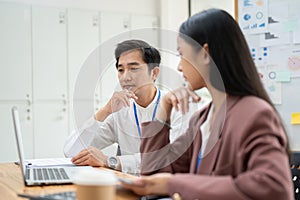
(16, 122)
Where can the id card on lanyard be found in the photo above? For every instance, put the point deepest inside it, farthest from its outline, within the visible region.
(153, 114)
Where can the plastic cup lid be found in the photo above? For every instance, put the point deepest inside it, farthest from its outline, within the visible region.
(95, 177)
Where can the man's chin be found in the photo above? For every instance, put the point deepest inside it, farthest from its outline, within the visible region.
(130, 88)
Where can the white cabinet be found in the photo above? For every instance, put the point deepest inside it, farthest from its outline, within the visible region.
(15, 78)
(144, 27)
(143, 21)
(42, 52)
(114, 28)
(114, 25)
(8, 147)
(49, 52)
(108, 83)
(50, 129)
(119, 27)
(83, 40)
(15, 52)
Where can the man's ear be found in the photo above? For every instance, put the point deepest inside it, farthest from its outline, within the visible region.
(154, 73)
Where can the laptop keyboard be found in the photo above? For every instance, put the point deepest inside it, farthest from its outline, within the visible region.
(27, 174)
(48, 174)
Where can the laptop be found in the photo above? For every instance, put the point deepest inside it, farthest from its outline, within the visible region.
(37, 175)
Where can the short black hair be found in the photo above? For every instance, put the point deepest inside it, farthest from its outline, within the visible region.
(150, 55)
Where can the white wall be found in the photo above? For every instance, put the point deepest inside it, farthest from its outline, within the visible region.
(199, 5)
(173, 13)
(147, 7)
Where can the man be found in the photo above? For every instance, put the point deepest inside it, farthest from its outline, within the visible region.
(119, 120)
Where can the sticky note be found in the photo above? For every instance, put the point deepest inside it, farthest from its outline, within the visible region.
(295, 118)
(291, 25)
(283, 76)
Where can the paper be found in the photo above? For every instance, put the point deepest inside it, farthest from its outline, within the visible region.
(278, 55)
(295, 118)
(285, 58)
(294, 8)
(47, 162)
(291, 25)
(296, 37)
(283, 76)
(253, 16)
(278, 23)
(278, 10)
(260, 55)
(293, 61)
(273, 88)
(274, 36)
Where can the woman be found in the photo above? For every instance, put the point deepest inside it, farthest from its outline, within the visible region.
(236, 147)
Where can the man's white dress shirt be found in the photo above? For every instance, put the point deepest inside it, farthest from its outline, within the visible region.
(120, 127)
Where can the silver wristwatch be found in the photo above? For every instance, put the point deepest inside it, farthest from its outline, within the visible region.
(112, 162)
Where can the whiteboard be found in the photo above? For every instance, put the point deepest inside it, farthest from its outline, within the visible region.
(290, 104)
(272, 30)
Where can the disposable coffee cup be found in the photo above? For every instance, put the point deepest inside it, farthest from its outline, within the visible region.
(95, 184)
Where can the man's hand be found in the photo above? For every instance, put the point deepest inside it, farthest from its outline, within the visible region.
(118, 101)
(90, 156)
(121, 99)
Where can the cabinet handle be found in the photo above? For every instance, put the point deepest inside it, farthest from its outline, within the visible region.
(154, 26)
(95, 21)
(126, 23)
(28, 102)
(61, 18)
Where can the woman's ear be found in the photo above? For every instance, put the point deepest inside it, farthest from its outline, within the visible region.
(154, 73)
(206, 53)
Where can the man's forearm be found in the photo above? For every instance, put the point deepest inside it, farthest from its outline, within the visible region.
(102, 114)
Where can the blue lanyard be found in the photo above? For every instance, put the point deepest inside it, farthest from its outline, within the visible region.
(153, 115)
(198, 160)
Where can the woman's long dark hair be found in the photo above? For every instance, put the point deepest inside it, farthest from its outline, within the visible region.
(228, 50)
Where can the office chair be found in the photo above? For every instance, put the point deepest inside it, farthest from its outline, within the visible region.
(295, 170)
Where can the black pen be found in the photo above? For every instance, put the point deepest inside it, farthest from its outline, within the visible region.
(153, 197)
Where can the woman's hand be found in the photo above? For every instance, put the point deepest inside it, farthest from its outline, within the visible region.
(179, 99)
(154, 184)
